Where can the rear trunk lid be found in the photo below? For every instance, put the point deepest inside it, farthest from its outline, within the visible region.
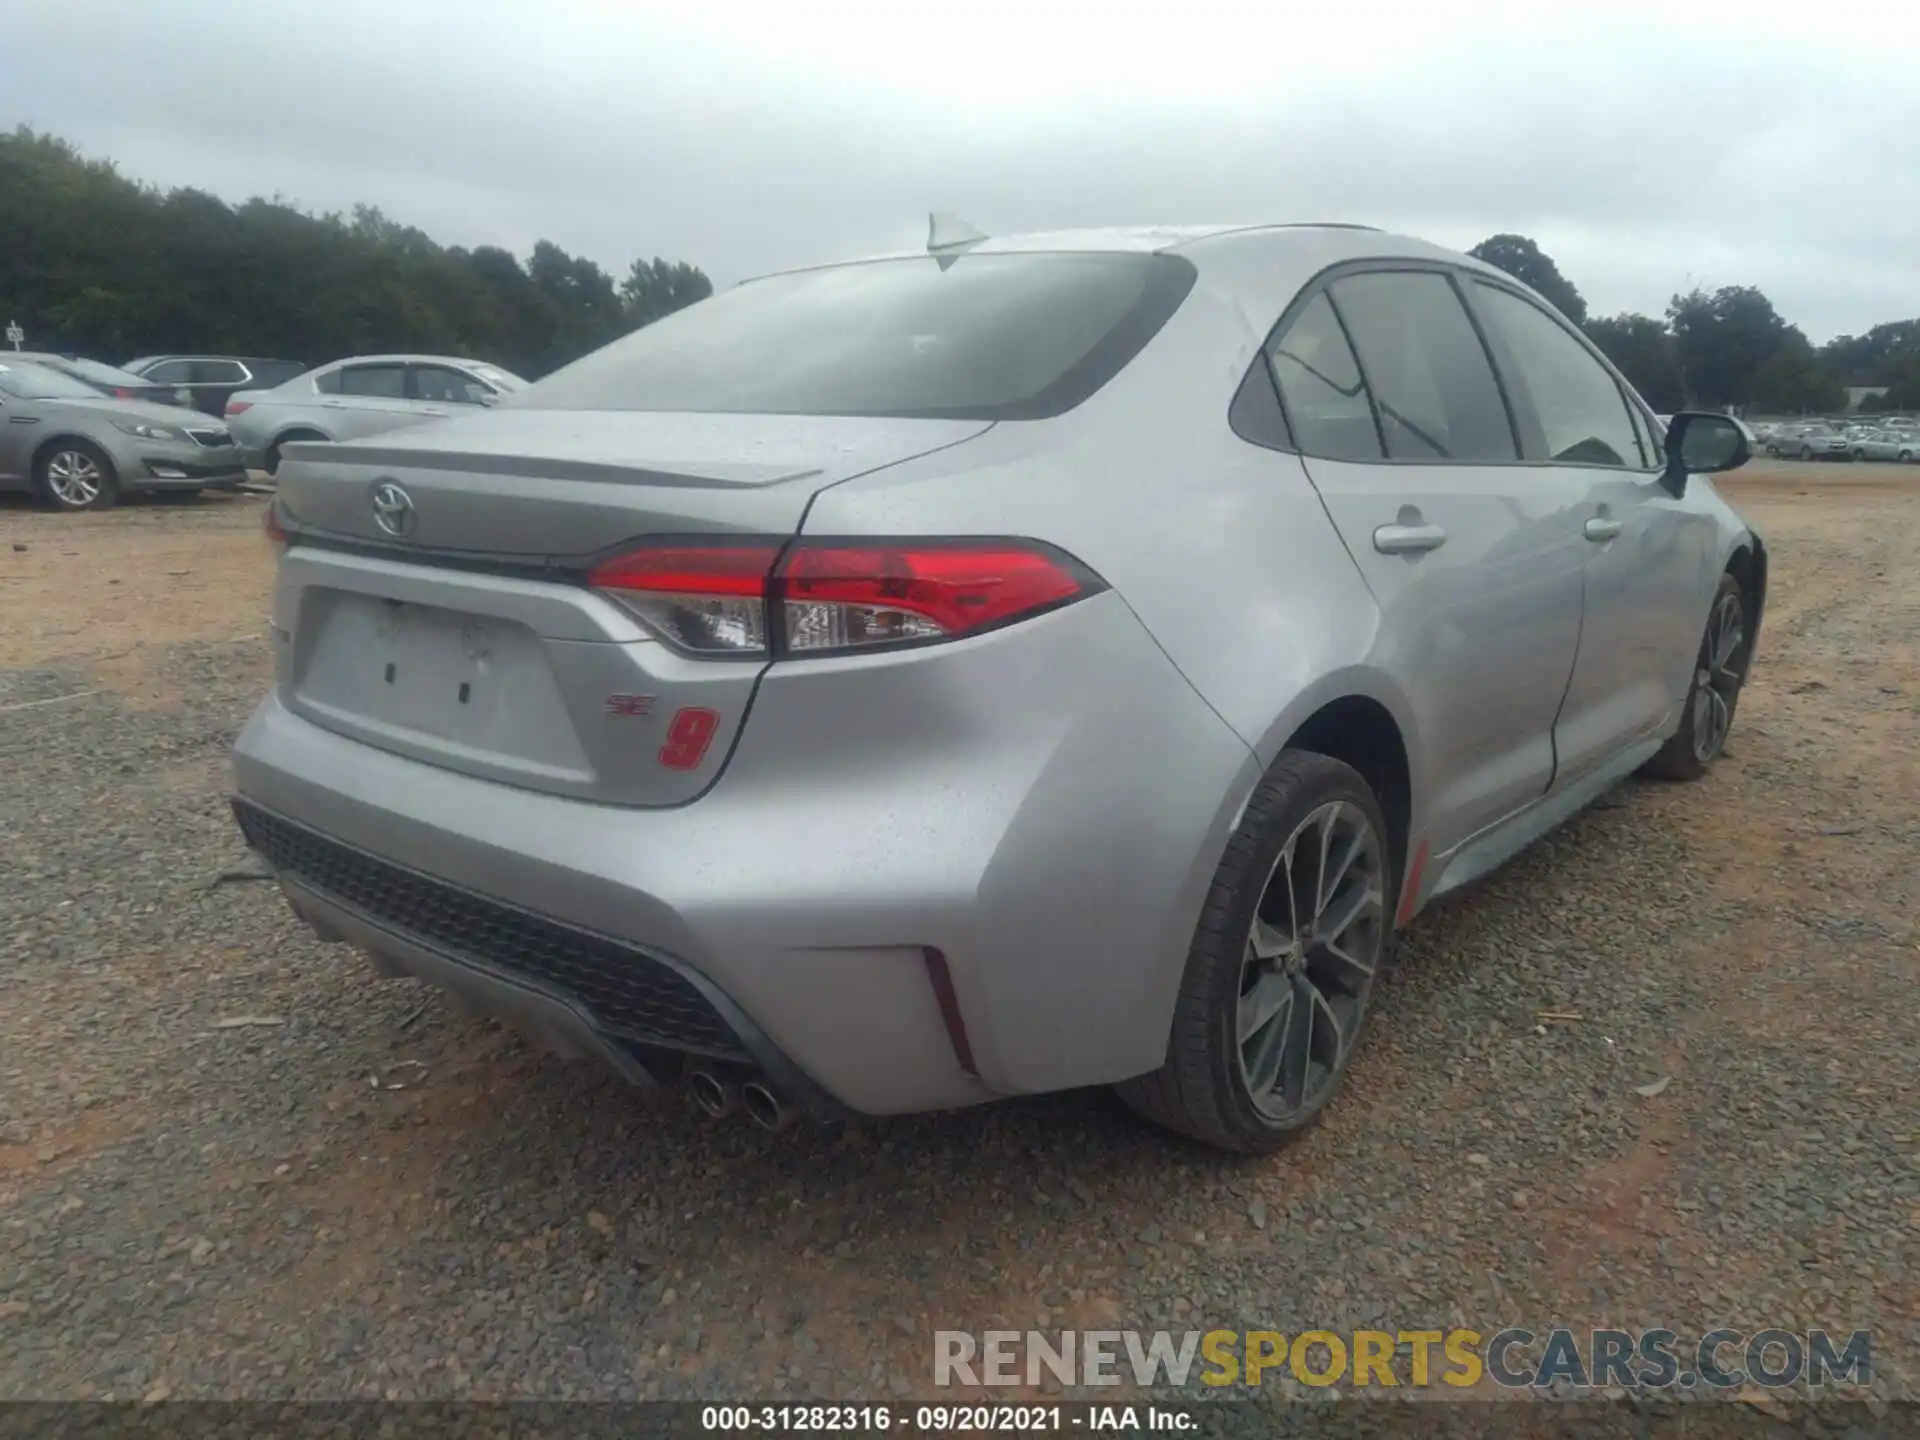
(433, 604)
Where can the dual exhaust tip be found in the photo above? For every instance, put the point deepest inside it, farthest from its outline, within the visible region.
(717, 1096)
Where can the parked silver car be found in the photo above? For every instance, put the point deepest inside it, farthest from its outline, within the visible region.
(1901, 445)
(362, 396)
(1049, 662)
(106, 379)
(1808, 442)
(80, 450)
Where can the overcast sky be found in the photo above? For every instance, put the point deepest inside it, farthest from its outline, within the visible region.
(1646, 147)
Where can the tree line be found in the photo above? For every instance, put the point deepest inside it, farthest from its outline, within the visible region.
(1728, 347)
(93, 263)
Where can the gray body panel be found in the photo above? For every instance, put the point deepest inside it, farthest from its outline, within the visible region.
(1043, 805)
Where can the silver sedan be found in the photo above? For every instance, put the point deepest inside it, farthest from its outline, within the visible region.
(1038, 663)
(365, 395)
(1901, 445)
(80, 450)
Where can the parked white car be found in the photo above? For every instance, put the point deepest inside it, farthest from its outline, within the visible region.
(364, 395)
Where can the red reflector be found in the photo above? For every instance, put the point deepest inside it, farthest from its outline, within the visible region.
(239, 407)
(122, 393)
(958, 587)
(689, 570)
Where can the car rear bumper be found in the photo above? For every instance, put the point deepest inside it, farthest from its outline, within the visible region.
(903, 928)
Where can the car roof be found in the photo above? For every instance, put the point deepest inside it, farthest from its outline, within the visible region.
(407, 360)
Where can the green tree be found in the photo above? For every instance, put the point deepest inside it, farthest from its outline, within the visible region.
(1875, 357)
(1521, 258)
(1643, 349)
(1723, 339)
(657, 288)
(93, 263)
(1792, 381)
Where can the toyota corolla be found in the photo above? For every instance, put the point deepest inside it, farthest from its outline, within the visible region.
(1035, 663)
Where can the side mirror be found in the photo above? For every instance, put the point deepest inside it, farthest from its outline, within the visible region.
(1700, 442)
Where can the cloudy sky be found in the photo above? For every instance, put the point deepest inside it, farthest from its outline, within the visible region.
(1647, 147)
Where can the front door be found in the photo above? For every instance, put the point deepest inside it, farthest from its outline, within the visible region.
(1474, 559)
(1650, 562)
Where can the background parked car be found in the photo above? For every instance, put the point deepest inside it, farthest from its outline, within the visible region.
(1808, 442)
(1901, 445)
(107, 379)
(361, 396)
(207, 381)
(80, 450)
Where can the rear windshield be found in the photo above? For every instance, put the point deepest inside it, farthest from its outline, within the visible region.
(992, 337)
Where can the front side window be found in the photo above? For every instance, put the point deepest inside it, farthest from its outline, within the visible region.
(1580, 407)
(988, 337)
(1429, 374)
(378, 382)
(441, 386)
(1320, 386)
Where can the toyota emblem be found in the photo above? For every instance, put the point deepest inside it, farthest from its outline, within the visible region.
(393, 509)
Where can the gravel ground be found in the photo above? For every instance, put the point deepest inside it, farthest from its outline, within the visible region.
(380, 1197)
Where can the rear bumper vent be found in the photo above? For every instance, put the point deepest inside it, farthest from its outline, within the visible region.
(628, 993)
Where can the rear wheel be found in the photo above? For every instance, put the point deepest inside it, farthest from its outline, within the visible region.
(1296, 928)
(76, 475)
(295, 437)
(1718, 674)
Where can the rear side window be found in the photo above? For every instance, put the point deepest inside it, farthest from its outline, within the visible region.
(991, 337)
(1429, 374)
(1581, 409)
(170, 372)
(1320, 385)
(217, 372)
(380, 382)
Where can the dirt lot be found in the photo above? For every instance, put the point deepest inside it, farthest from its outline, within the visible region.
(380, 1197)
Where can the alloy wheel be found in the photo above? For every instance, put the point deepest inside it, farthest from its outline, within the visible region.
(1316, 941)
(74, 478)
(1718, 678)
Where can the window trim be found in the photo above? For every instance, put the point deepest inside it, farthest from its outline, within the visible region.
(1244, 411)
(1643, 431)
(340, 375)
(1247, 415)
(414, 367)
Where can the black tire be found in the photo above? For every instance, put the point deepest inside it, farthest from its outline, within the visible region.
(1698, 742)
(75, 475)
(271, 461)
(1204, 1089)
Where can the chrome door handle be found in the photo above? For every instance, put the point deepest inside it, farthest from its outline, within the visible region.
(1601, 528)
(1408, 539)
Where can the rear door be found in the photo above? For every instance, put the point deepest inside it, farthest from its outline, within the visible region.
(1650, 562)
(1473, 557)
(366, 400)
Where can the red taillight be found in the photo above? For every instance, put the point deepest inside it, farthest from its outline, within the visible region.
(122, 393)
(837, 596)
(238, 407)
(833, 596)
(707, 599)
